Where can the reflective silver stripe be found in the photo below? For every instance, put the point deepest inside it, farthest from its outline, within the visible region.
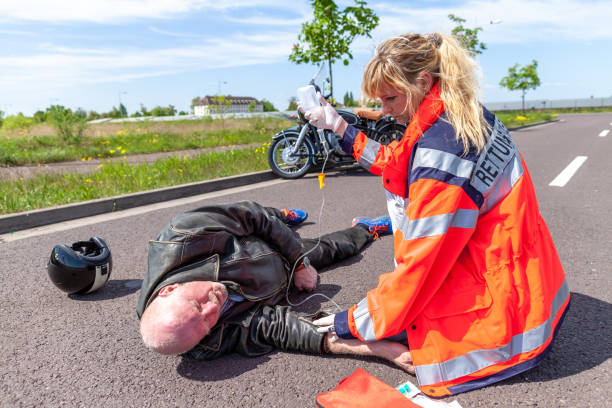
(444, 161)
(477, 360)
(396, 207)
(369, 154)
(437, 224)
(363, 322)
(498, 168)
(511, 174)
(102, 274)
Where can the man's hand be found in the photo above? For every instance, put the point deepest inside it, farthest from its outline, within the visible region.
(326, 117)
(305, 278)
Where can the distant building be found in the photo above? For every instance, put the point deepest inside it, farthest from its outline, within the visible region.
(226, 104)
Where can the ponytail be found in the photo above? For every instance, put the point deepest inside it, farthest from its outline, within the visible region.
(399, 61)
(459, 91)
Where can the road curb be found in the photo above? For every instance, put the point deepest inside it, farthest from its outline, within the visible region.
(46, 216)
(533, 124)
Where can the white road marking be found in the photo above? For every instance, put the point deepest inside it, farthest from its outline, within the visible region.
(567, 173)
(604, 133)
(95, 219)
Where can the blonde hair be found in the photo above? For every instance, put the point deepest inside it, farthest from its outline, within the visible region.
(399, 61)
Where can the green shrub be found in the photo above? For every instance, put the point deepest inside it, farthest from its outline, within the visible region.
(268, 106)
(68, 125)
(163, 111)
(40, 116)
(16, 122)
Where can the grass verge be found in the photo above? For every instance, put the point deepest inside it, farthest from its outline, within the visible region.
(116, 178)
(115, 139)
(514, 119)
(21, 150)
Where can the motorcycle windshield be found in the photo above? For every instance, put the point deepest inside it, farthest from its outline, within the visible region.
(321, 80)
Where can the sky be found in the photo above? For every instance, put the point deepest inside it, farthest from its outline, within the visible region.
(95, 54)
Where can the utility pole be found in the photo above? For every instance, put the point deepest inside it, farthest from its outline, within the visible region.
(221, 83)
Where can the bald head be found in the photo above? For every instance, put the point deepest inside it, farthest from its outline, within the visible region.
(181, 315)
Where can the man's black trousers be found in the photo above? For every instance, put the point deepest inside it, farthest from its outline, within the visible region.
(333, 247)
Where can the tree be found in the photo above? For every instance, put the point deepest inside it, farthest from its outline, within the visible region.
(40, 116)
(467, 37)
(144, 111)
(329, 35)
(163, 111)
(123, 110)
(193, 102)
(220, 103)
(80, 113)
(292, 104)
(374, 104)
(349, 100)
(523, 79)
(252, 106)
(115, 113)
(268, 106)
(93, 115)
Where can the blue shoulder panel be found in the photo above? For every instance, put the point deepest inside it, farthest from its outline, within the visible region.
(439, 156)
(489, 117)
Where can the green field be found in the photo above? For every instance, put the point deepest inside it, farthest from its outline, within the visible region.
(40, 144)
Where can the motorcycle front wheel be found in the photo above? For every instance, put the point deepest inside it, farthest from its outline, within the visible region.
(386, 132)
(286, 165)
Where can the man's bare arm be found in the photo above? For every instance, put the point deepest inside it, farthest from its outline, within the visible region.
(391, 351)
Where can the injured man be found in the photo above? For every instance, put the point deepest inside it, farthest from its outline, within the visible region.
(217, 279)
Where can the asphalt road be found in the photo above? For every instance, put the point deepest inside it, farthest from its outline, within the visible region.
(60, 350)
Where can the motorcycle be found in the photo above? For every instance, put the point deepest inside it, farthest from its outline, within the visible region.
(294, 151)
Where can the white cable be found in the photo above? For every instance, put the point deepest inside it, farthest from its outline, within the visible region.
(297, 262)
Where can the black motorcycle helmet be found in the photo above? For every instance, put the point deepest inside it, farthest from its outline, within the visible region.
(81, 268)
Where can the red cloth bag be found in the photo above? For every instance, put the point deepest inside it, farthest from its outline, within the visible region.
(363, 390)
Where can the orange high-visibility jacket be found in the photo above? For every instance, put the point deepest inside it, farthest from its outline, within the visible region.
(478, 288)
